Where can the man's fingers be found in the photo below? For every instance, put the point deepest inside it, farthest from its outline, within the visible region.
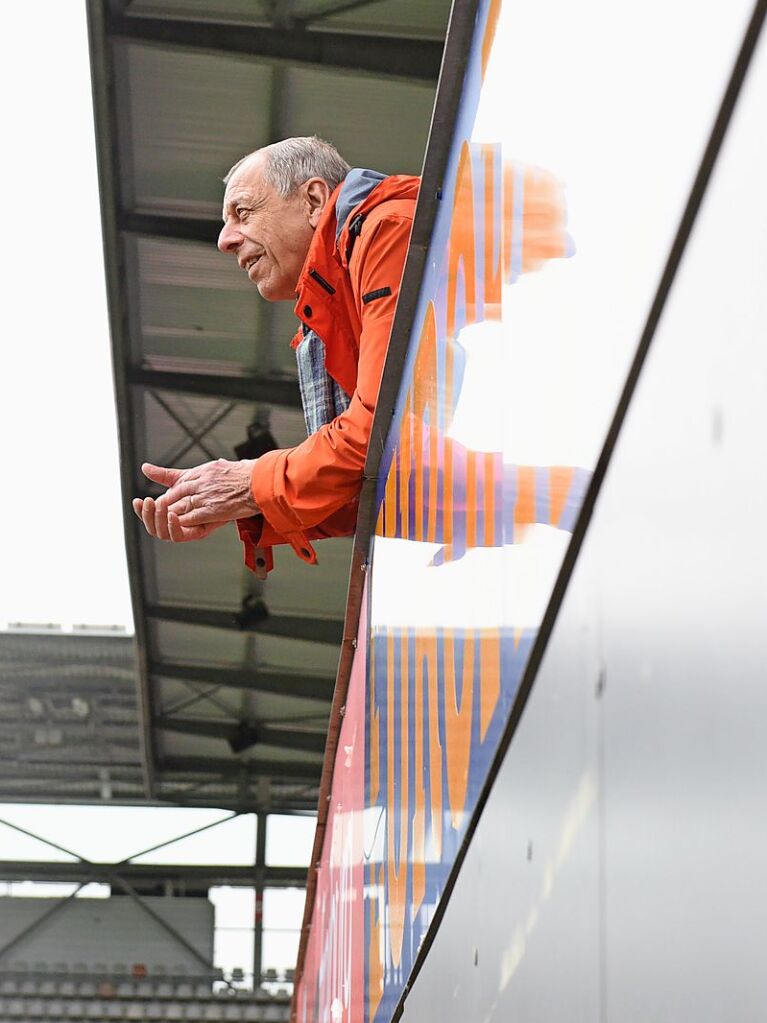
(158, 474)
(200, 517)
(182, 499)
(163, 524)
(147, 516)
(161, 530)
(182, 534)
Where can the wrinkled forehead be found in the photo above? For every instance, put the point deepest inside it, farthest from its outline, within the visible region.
(245, 184)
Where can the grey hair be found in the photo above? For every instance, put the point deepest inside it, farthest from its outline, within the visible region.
(292, 161)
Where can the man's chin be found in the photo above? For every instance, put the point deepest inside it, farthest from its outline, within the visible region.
(272, 291)
(267, 288)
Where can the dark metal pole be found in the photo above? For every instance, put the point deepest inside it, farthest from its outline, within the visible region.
(258, 920)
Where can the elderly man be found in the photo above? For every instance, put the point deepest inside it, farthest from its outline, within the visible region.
(302, 225)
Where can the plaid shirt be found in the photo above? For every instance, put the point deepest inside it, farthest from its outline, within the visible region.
(322, 397)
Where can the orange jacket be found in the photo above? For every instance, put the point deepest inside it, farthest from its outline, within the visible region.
(347, 293)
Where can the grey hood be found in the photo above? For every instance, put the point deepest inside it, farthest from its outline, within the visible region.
(357, 186)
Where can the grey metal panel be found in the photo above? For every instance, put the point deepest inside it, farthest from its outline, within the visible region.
(322, 586)
(182, 577)
(227, 647)
(393, 17)
(625, 837)
(238, 11)
(350, 111)
(416, 58)
(194, 304)
(191, 116)
(83, 929)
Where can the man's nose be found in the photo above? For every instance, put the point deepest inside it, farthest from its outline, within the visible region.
(229, 239)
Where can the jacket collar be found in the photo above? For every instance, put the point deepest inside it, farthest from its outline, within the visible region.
(330, 248)
(323, 297)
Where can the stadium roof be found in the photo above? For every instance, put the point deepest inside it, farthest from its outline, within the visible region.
(235, 676)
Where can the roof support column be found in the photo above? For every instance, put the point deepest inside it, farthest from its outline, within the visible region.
(258, 920)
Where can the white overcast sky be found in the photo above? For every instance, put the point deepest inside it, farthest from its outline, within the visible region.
(61, 543)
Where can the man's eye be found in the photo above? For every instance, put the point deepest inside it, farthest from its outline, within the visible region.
(241, 212)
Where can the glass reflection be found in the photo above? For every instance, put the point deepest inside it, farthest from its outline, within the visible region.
(469, 541)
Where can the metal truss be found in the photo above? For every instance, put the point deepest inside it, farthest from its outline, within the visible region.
(127, 874)
(283, 683)
(416, 60)
(250, 769)
(314, 630)
(249, 388)
(263, 733)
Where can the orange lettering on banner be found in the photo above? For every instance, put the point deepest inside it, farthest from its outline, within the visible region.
(489, 500)
(490, 677)
(431, 532)
(560, 481)
(424, 390)
(493, 243)
(418, 472)
(390, 500)
(458, 723)
(544, 231)
(447, 455)
(524, 509)
(461, 250)
(490, 27)
(404, 472)
(375, 959)
(426, 667)
(397, 877)
(419, 816)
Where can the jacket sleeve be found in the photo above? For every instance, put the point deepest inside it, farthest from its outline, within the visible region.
(300, 488)
(257, 534)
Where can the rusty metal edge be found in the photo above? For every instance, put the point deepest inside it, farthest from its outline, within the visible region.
(460, 34)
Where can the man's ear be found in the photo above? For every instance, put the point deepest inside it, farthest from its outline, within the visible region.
(316, 194)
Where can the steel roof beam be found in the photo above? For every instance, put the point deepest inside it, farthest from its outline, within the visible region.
(164, 225)
(314, 630)
(272, 390)
(384, 56)
(310, 10)
(203, 875)
(306, 687)
(264, 734)
(254, 767)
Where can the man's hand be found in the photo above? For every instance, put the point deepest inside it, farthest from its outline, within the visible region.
(198, 500)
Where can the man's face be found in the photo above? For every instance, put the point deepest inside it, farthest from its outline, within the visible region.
(269, 235)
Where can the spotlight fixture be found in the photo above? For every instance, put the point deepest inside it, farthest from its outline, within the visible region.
(252, 611)
(258, 442)
(243, 736)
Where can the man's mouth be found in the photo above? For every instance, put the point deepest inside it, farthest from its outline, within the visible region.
(248, 264)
